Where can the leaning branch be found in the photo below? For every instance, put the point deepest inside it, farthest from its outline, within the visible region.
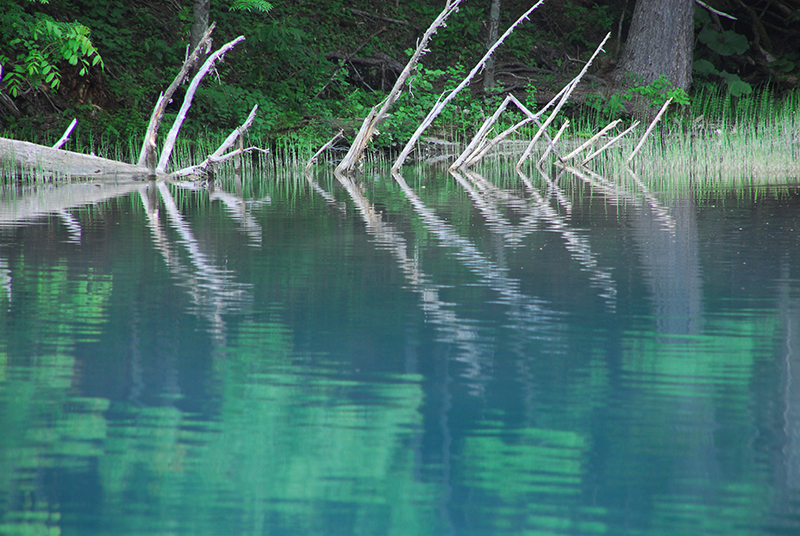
(149, 143)
(323, 148)
(378, 113)
(219, 155)
(60, 143)
(440, 105)
(568, 91)
(169, 144)
(649, 129)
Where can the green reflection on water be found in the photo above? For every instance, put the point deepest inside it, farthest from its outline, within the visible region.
(288, 436)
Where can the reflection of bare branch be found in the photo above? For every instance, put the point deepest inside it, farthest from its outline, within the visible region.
(237, 208)
(617, 193)
(5, 277)
(439, 313)
(213, 289)
(526, 309)
(73, 226)
(512, 235)
(321, 191)
(577, 245)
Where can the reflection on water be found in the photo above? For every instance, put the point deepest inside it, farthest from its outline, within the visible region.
(433, 354)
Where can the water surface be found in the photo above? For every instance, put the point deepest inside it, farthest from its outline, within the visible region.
(424, 354)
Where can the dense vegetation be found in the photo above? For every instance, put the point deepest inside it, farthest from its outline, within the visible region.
(314, 67)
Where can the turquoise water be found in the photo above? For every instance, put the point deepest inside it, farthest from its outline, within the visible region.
(426, 354)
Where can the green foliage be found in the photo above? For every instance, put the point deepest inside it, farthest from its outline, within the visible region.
(736, 86)
(425, 88)
(596, 17)
(250, 5)
(655, 94)
(37, 43)
(720, 43)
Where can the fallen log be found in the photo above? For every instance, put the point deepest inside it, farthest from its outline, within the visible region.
(25, 158)
(29, 158)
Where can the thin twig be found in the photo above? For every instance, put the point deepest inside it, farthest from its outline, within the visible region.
(65, 137)
(611, 142)
(323, 148)
(650, 128)
(715, 11)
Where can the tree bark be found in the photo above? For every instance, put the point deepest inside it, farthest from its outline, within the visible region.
(201, 11)
(494, 23)
(660, 42)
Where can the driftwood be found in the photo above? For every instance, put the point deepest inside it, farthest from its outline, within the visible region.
(380, 111)
(444, 99)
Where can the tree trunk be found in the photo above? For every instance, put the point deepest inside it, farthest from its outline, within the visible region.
(202, 9)
(494, 23)
(659, 42)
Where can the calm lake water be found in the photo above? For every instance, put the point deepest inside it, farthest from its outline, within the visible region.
(431, 354)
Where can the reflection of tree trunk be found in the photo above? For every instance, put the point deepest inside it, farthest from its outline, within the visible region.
(787, 471)
(672, 268)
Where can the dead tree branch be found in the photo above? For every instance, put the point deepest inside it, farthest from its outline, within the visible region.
(379, 112)
(569, 88)
(60, 143)
(157, 115)
(219, 155)
(444, 99)
(187, 102)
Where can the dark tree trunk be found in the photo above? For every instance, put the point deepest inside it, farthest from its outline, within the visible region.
(202, 9)
(494, 23)
(659, 42)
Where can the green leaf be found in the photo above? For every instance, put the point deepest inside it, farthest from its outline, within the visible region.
(725, 43)
(736, 86)
(704, 67)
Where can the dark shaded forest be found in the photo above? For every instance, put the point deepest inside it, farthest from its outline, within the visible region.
(315, 67)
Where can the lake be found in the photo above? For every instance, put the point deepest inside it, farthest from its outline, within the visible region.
(419, 354)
